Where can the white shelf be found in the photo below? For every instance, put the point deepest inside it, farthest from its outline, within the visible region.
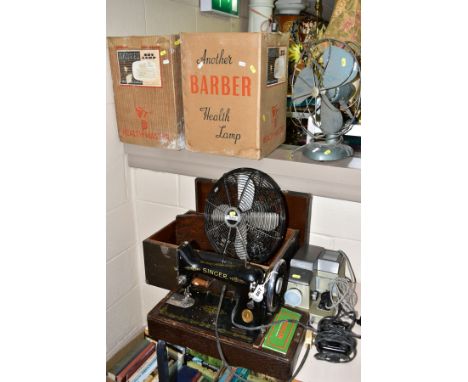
(337, 180)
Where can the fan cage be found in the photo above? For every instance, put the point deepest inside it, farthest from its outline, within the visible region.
(245, 215)
(311, 55)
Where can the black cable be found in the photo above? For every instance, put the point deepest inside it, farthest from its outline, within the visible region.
(335, 342)
(301, 364)
(218, 343)
(263, 327)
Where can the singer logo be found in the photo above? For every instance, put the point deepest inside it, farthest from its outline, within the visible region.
(215, 273)
(142, 115)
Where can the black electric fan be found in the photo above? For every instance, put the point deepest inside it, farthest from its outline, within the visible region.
(245, 215)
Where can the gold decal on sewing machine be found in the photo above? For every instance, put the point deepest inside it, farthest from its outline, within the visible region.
(215, 273)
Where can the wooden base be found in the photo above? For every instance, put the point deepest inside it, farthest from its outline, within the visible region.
(236, 352)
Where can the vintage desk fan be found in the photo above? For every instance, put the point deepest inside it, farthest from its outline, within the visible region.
(327, 92)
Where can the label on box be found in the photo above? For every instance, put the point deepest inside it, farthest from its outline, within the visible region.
(139, 67)
(276, 65)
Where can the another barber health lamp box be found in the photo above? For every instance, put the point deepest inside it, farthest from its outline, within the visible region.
(234, 90)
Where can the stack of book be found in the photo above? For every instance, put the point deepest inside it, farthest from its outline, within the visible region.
(207, 369)
(137, 365)
(202, 368)
(240, 374)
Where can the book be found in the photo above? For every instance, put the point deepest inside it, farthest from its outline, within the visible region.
(185, 374)
(208, 373)
(240, 372)
(279, 336)
(136, 363)
(126, 359)
(197, 377)
(231, 375)
(145, 369)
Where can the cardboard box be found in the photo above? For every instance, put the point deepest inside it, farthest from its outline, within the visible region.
(234, 91)
(147, 90)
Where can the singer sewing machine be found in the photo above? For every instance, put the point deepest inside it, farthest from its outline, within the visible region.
(180, 257)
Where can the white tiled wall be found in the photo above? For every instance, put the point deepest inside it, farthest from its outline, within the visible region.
(158, 199)
(123, 302)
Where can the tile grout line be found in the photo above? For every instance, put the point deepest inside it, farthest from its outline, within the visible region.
(120, 254)
(161, 204)
(140, 276)
(122, 297)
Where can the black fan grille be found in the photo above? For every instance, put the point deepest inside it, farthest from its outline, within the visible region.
(245, 215)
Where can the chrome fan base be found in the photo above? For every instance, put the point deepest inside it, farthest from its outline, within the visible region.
(325, 152)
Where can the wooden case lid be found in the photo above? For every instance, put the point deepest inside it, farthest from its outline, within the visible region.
(298, 205)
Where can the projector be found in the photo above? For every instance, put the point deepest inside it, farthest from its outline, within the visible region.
(297, 294)
(329, 265)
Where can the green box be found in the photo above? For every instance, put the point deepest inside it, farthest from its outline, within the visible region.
(279, 336)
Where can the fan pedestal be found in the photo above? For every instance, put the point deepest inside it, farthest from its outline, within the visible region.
(324, 152)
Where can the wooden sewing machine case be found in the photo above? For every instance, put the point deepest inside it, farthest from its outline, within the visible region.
(160, 251)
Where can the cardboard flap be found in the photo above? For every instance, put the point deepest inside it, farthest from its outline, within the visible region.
(298, 205)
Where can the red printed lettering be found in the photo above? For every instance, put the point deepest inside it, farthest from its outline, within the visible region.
(194, 83)
(246, 86)
(225, 85)
(235, 85)
(214, 85)
(203, 86)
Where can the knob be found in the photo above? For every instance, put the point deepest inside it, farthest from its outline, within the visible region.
(293, 297)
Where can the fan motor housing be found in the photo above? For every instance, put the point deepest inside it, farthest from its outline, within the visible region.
(233, 217)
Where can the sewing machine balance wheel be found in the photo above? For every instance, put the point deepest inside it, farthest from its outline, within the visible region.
(276, 285)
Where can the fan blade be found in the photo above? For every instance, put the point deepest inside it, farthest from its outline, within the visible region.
(339, 67)
(245, 192)
(267, 221)
(342, 93)
(302, 88)
(240, 243)
(330, 117)
(219, 213)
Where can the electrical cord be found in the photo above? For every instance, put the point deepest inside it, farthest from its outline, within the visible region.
(335, 342)
(342, 292)
(306, 354)
(266, 326)
(307, 327)
(343, 289)
(218, 342)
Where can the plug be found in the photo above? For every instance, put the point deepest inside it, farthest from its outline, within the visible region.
(309, 337)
